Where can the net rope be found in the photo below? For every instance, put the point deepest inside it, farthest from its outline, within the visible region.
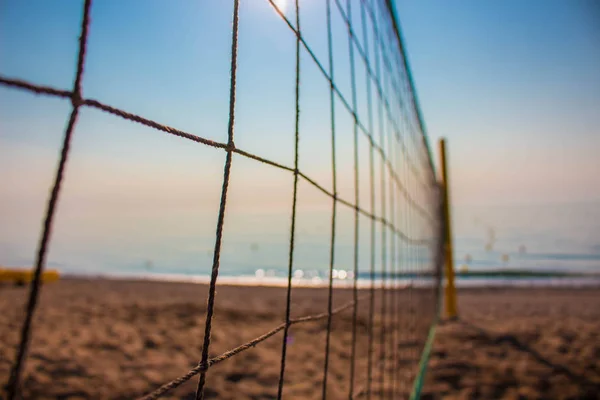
(392, 106)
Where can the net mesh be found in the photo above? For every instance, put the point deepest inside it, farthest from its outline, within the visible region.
(396, 290)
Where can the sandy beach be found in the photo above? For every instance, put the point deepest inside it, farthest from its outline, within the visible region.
(519, 344)
(100, 339)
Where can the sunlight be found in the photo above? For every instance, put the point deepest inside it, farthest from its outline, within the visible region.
(281, 4)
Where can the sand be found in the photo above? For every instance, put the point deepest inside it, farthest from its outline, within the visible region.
(98, 339)
(519, 344)
(120, 339)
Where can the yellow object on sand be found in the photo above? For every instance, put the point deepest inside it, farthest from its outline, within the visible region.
(21, 276)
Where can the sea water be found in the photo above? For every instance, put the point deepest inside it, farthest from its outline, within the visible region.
(178, 245)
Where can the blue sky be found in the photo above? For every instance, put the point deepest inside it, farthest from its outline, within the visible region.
(513, 85)
(133, 188)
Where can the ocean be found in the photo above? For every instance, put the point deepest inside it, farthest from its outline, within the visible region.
(552, 237)
(177, 245)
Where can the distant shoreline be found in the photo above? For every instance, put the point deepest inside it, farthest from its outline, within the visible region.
(521, 273)
(470, 279)
(503, 273)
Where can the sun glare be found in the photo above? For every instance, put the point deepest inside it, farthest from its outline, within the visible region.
(281, 4)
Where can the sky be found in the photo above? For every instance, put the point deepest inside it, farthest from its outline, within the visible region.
(131, 187)
(512, 85)
(171, 64)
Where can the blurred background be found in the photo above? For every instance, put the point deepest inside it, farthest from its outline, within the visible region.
(512, 85)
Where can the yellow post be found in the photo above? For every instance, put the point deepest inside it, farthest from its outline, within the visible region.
(451, 309)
